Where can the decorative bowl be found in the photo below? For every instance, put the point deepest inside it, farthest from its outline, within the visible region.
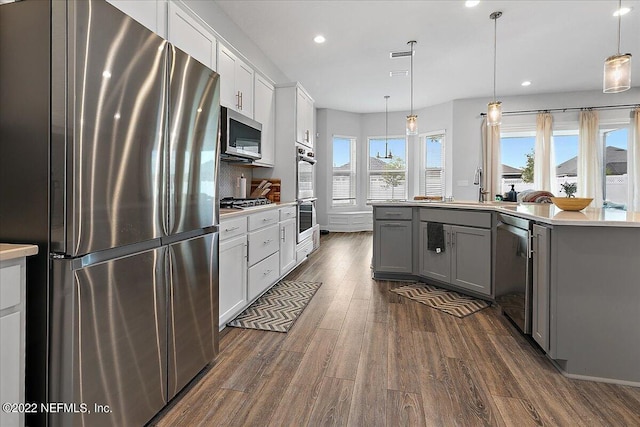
(571, 203)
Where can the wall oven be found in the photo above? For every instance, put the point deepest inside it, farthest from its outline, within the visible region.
(305, 173)
(513, 276)
(306, 218)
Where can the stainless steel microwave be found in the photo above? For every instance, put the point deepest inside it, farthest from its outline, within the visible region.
(241, 136)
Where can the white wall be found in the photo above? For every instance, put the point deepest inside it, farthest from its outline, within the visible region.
(467, 121)
(461, 121)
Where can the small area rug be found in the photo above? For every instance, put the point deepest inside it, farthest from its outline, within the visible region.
(442, 299)
(278, 308)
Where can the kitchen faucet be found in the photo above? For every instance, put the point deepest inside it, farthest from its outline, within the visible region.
(477, 180)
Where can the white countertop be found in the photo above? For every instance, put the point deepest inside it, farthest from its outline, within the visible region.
(10, 251)
(232, 213)
(542, 212)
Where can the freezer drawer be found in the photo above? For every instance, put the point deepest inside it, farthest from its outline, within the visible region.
(193, 308)
(108, 340)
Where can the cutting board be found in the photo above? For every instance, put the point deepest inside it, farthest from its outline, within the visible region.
(274, 193)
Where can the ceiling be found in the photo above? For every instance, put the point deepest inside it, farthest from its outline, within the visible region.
(560, 46)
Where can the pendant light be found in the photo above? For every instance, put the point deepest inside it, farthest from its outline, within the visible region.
(412, 119)
(494, 108)
(617, 68)
(387, 153)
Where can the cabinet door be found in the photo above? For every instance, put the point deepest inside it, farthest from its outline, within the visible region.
(11, 388)
(264, 113)
(146, 12)
(192, 37)
(227, 70)
(236, 83)
(244, 87)
(471, 258)
(287, 246)
(392, 247)
(433, 264)
(232, 277)
(541, 253)
(304, 119)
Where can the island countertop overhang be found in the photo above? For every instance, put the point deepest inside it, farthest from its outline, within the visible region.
(545, 213)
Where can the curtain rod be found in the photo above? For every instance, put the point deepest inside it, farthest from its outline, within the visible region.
(563, 110)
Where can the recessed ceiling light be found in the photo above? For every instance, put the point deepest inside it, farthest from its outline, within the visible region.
(526, 83)
(399, 73)
(622, 11)
(472, 3)
(319, 39)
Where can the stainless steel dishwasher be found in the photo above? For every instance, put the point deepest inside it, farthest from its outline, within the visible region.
(513, 277)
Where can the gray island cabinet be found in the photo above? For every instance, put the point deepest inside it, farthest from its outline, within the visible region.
(585, 274)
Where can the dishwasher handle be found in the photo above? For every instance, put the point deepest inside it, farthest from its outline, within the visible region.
(530, 250)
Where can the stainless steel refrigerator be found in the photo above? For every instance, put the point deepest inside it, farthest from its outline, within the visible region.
(109, 157)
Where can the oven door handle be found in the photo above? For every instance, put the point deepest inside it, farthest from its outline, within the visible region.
(307, 159)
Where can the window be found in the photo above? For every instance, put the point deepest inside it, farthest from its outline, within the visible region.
(387, 169)
(516, 153)
(565, 143)
(432, 165)
(344, 171)
(616, 179)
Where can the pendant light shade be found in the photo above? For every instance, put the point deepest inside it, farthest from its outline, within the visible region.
(412, 119)
(494, 108)
(617, 68)
(494, 113)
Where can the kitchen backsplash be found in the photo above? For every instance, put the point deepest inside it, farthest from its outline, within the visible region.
(228, 175)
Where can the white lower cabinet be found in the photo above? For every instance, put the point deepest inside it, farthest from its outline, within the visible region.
(263, 275)
(12, 336)
(287, 245)
(233, 277)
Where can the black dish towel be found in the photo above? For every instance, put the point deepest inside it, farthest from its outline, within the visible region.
(435, 237)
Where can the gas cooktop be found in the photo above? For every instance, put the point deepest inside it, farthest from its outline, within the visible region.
(234, 203)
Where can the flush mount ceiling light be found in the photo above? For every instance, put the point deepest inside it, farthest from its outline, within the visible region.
(412, 119)
(494, 108)
(526, 83)
(387, 153)
(472, 3)
(617, 68)
(399, 73)
(319, 39)
(622, 11)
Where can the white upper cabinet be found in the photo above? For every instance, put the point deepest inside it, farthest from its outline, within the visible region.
(236, 83)
(150, 13)
(265, 113)
(304, 118)
(191, 36)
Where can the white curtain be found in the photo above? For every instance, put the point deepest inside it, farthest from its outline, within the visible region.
(634, 163)
(590, 158)
(544, 169)
(491, 163)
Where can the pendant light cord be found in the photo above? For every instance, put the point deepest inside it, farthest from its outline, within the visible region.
(495, 54)
(412, 42)
(619, 23)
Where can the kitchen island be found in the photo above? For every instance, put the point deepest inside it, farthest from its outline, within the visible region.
(586, 273)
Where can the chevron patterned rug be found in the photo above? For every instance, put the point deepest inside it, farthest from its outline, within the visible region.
(278, 308)
(442, 299)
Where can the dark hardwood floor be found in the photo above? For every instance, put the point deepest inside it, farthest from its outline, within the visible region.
(360, 355)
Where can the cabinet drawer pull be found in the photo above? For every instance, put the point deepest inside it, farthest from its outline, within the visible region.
(266, 273)
(394, 225)
(266, 242)
(266, 219)
(231, 229)
(393, 213)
